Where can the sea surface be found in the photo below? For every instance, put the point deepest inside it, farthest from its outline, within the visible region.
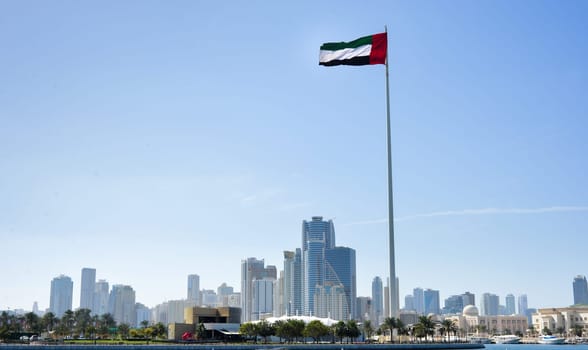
(536, 347)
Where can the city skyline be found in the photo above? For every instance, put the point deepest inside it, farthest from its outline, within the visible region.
(158, 140)
(62, 289)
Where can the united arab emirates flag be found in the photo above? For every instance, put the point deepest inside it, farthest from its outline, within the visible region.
(363, 51)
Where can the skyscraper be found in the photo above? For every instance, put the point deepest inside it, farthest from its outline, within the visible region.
(122, 304)
(87, 289)
(340, 269)
(101, 297)
(292, 282)
(510, 304)
(330, 300)
(409, 302)
(377, 305)
(468, 299)
(453, 305)
(523, 304)
(263, 297)
(490, 303)
(252, 269)
(580, 290)
(61, 295)
(194, 289)
(431, 300)
(419, 300)
(317, 236)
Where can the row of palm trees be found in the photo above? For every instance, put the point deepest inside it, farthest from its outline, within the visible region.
(74, 324)
(295, 330)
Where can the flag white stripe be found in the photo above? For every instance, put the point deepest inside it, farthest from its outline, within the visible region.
(344, 54)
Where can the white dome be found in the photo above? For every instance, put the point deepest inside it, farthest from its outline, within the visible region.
(470, 310)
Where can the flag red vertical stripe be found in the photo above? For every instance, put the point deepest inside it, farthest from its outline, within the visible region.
(379, 48)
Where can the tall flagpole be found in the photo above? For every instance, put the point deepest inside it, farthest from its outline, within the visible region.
(393, 288)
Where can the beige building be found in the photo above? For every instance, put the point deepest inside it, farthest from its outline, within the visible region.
(565, 318)
(471, 321)
(219, 323)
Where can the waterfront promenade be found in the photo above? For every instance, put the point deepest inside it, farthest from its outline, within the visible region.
(437, 346)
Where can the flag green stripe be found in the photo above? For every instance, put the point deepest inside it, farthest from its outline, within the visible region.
(366, 40)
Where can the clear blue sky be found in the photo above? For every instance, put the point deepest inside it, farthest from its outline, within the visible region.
(156, 139)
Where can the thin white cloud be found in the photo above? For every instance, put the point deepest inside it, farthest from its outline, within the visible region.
(467, 212)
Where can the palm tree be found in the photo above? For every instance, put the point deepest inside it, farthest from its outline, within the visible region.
(426, 325)
(49, 321)
(32, 323)
(448, 326)
(68, 322)
(389, 324)
(368, 329)
(352, 330)
(340, 330)
(123, 330)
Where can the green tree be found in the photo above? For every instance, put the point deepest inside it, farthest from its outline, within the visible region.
(68, 322)
(368, 329)
(159, 330)
(297, 328)
(315, 330)
(280, 330)
(265, 330)
(340, 330)
(123, 330)
(352, 330)
(448, 326)
(200, 331)
(426, 326)
(248, 330)
(32, 322)
(83, 320)
(49, 321)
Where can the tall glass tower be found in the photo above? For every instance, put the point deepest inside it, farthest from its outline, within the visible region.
(377, 301)
(317, 236)
(292, 282)
(510, 304)
(61, 295)
(340, 268)
(194, 289)
(580, 290)
(87, 289)
(522, 301)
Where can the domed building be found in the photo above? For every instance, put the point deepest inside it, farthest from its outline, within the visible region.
(471, 321)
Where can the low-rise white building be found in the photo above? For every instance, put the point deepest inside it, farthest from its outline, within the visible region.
(565, 318)
(471, 322)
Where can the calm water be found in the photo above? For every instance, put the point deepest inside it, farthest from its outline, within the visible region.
(535, 347)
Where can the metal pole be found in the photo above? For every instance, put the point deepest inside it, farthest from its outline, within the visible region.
(393, 287)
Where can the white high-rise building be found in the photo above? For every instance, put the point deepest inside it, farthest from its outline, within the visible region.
(377, 309)
(122, 304)
(330, 301)
(194, 289)
(263, 298)
(101, 297)
(252, 269)
(87, 289)
(61, 295)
